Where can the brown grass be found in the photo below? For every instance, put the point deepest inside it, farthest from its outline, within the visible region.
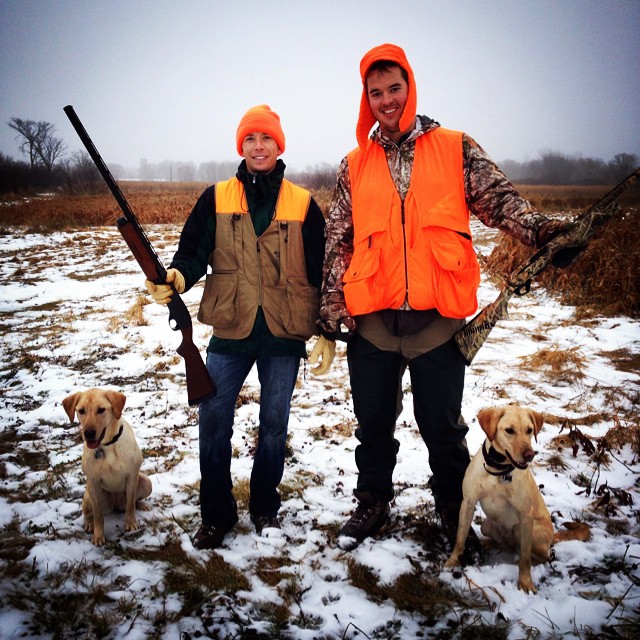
(553, 198)
(603, 279)
(558, 364)
(171, 202)
(152, 203)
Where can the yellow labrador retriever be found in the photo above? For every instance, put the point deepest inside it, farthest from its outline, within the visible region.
(111, 459)
(499, 477)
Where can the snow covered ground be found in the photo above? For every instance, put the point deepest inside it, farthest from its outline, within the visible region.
(71, 319)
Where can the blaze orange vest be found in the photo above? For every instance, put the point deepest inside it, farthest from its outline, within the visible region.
(417, 251)
(248, 271)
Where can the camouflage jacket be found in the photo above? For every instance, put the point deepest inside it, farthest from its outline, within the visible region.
(490, 197)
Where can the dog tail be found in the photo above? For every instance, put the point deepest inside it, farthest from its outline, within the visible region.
(574, 531)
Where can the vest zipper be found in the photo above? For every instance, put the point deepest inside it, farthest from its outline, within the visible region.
(404, 244)
(259, 279)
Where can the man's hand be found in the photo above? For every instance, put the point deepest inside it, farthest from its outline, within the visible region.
(549, 230)
(325, 351)
(335, 321)
(162, 293)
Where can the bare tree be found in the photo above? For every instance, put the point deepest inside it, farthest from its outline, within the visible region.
(50, 149)
(83, 173)
(555, 167)
(622, 165)
(39, 143)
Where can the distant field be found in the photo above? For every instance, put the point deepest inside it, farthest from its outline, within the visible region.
(171, 202)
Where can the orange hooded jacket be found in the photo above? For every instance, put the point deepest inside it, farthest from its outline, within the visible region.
(418, 251)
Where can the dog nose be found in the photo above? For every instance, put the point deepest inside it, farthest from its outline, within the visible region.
(90, 434)
(529, 455)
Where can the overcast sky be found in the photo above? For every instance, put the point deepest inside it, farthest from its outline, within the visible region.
(168, 80)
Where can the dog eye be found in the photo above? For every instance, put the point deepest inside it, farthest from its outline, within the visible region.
(101, 410)
(529, 430)
(81, 412)
(510, 430)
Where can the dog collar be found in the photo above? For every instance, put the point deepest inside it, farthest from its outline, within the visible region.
(494, 462)
(116, 437)
(99, 452)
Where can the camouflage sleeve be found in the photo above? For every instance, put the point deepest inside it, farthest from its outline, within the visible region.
(339, 233)
(493, 199)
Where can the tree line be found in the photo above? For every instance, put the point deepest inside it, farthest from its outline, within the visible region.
(49, 165)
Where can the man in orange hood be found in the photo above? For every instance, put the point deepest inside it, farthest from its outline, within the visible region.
(401, 275)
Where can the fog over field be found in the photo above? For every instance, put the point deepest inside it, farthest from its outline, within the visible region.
(161, 80)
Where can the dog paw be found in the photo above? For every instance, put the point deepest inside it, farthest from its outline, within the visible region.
(131, 525)
(98, 541)
(527, 586)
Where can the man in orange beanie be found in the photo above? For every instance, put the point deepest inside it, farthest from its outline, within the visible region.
(263, 238)
(401, 276)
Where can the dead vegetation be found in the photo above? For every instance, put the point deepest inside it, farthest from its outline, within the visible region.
(602, 280)
(152, 203)
(171, 203)
(557, 363)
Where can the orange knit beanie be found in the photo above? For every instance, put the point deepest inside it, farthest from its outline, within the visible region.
(260, 119)
(366, 119)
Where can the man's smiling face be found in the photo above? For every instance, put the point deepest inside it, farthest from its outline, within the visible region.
(260, 151)
(388, 92)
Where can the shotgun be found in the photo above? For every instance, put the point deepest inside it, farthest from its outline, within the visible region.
(199, 383)
(560, 251)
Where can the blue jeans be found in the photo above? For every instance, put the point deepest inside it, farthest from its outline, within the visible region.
(277, 376)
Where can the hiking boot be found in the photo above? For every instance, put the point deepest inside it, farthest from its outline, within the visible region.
(449, 518)
(267, 526)
(210, 536)
(367, 519)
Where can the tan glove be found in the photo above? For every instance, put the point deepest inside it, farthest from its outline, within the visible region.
(325, 350)
(162, 293)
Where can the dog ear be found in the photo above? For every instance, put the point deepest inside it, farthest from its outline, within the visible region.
(488, 419)
(117, 400)
(69, 405)
(538, 421)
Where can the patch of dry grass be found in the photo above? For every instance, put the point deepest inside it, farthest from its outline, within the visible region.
(603, 279)
(558, 364)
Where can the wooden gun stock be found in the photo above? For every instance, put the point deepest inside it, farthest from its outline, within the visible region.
(199, 383)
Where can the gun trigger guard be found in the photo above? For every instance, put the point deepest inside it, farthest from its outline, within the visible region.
(523, 289)
(173, 323)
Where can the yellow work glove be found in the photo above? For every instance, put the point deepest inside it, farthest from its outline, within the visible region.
(162, 293)
(325, 350)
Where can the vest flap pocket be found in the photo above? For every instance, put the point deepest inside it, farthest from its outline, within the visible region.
(449, 248)
(223, 262)
(301, 310)
(368, 224)
(364, 264)
(442, 213)
(218, 304)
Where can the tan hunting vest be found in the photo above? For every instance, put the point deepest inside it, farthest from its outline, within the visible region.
(248, 271)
